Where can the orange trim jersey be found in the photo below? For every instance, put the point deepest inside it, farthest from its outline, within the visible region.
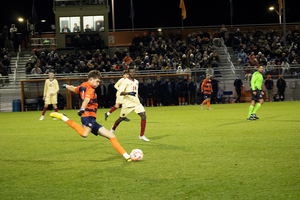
(206, 86)
(86, 90)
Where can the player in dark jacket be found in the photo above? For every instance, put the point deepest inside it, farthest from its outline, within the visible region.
(269, 84)
(181, 91)
(112, 92)
(281, 85)
(142, 91)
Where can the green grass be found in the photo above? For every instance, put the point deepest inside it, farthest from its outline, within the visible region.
(193, 154)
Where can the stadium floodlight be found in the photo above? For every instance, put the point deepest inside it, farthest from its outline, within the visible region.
(43, 20)
(159, 29)
(20, 19)
(271, 8)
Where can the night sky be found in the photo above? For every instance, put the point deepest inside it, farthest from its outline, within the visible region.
(162, 13)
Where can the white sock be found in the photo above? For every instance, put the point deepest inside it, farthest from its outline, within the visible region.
(108, 113)
(64, 118)
(126, 155)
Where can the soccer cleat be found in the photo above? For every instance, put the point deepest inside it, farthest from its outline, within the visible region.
(209, 109)
(251, 119)
(128, 159)
(42, 117)
(56, 115)
(106, 116)
(111, 130)
(126, 119)
(201, 106)
(144, 138)
(254, 116)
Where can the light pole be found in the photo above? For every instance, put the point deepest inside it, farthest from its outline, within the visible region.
(272, 8)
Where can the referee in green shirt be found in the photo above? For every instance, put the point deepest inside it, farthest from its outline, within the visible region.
(256, 83)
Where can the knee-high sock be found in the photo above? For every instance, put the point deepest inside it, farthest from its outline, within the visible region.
(179, 100)
(143, 127)
(112, 109)
(208, 103)
(257, 106)
(117, 146)
(56, 109)
(79, 129)
(44, 110)
(183, 100)
(250, 111)
(115, 125)
(147, 102)
(151, 102)
(204, 102)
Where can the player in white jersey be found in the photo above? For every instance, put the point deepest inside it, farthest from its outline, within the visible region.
(119, 99)
(129, 89)
(51, 89)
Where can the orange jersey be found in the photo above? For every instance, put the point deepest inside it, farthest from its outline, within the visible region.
(86, 90)
(206, 86)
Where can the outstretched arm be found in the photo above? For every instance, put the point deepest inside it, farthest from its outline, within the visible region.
(69, 87)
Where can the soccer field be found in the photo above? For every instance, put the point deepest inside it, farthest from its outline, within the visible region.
(193, 154)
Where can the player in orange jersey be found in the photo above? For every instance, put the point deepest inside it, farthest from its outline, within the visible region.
(88, 112)
(206, 88)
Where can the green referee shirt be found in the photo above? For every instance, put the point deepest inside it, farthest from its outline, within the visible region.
(256, 81)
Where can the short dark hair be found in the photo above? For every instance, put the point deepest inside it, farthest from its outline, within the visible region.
(94, 74)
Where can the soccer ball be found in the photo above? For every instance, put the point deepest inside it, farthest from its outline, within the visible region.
(136, 154)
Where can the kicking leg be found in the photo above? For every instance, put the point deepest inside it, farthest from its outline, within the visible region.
(109, 135)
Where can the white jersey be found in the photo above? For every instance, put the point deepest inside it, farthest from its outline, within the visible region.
(129, 85)
(50, 87)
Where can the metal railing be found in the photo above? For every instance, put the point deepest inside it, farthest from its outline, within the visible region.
(60, 3)
(16, 65)
(228, 57)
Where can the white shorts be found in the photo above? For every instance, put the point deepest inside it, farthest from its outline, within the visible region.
(51, 99)
(126, 110)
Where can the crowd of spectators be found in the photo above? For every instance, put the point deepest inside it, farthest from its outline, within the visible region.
(149, 52)
(255, 48)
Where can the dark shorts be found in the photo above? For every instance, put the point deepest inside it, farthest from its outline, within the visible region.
(207, 96)
(256, 97)
(91, 123)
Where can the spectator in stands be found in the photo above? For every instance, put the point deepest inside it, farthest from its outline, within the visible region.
(209, 70)
(269, 85)
(65, 29)
(119, 54)
(58, 69)
(114, 59)
(87, 29)
(36, 70)
(6, 63)
(241, 57)
(100, 43)
(281, 85)
(3, 73)
(77, 44)
(33, 58)
(67, 68)
(28, 68)
(76, 28)
(6, 38)
(118, 66)
(285, 67)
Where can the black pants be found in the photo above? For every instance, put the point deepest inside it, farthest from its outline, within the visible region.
(239, 94)
(281, 94)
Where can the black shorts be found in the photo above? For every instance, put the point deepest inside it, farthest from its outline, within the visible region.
(207, 96)
(256, 97)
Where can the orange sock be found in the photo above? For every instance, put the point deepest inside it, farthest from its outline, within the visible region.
(208, 104)
(179, 100)
(183, 100)
(117, 146)
(77, 127)
(204, 102)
